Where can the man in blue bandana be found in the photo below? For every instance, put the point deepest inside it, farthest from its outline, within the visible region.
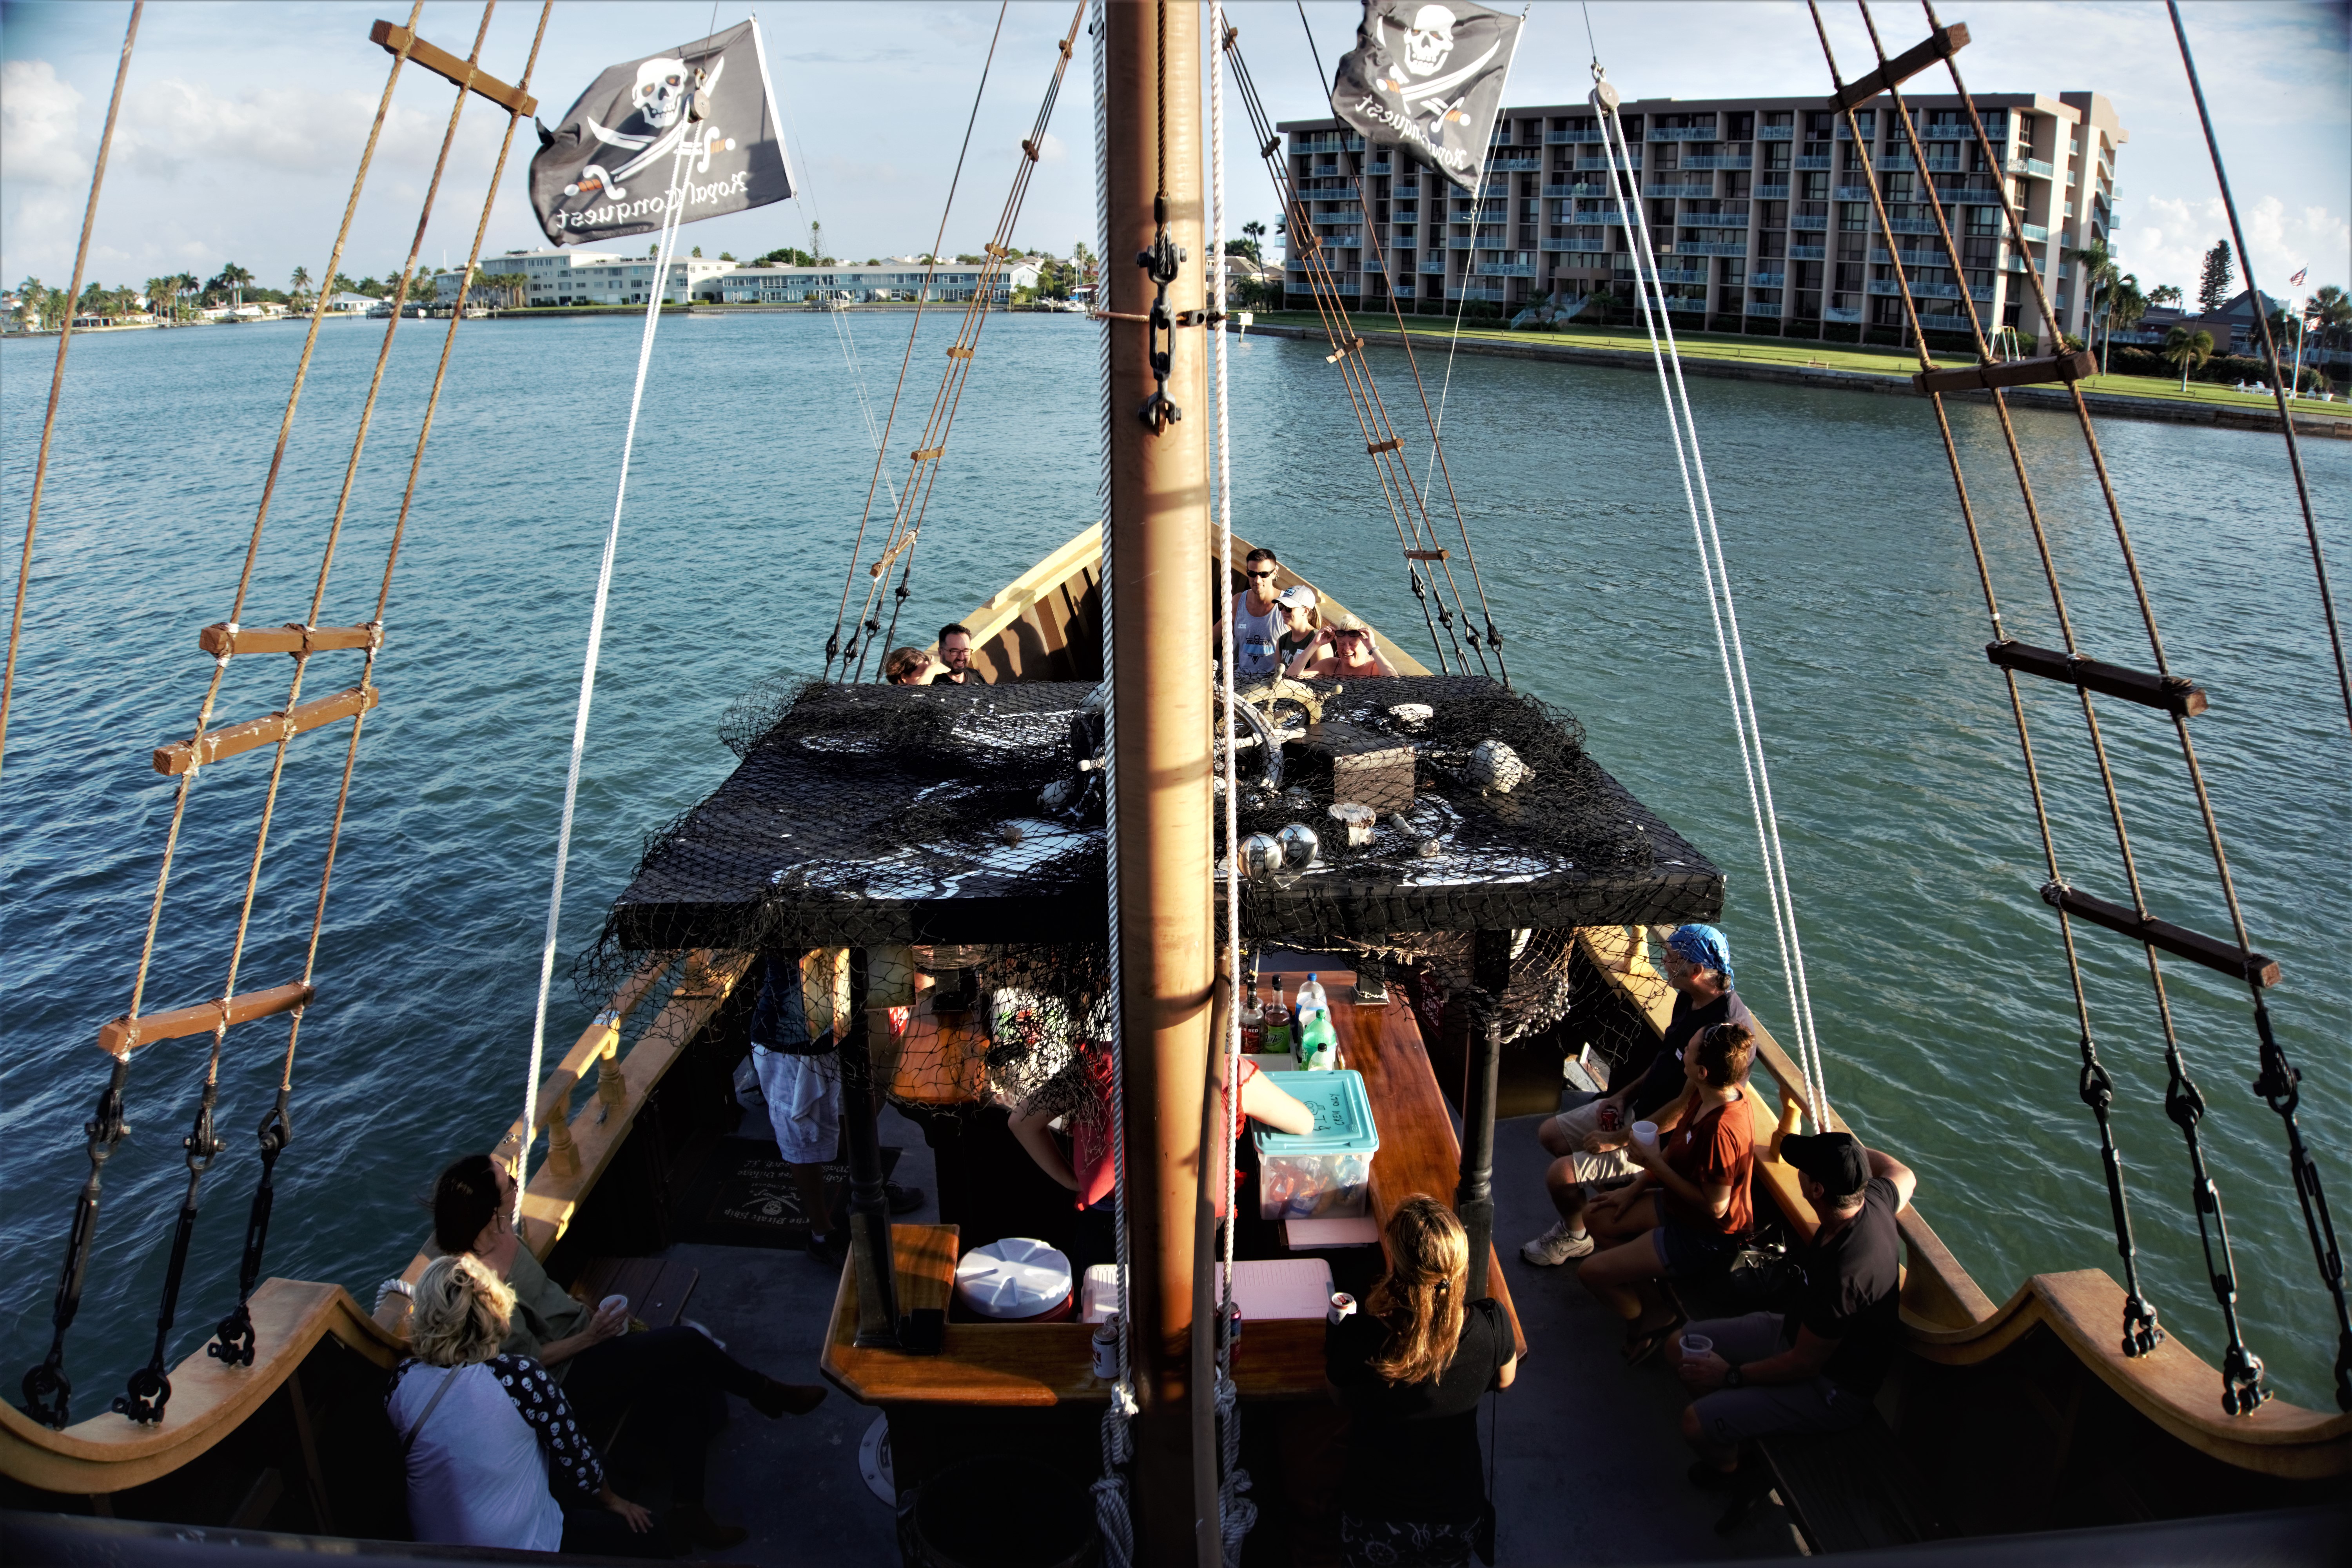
(1588, 1144)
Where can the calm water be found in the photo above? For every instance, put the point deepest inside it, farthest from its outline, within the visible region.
(1936, 978)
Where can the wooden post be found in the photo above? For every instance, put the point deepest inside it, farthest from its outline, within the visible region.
(869, 1205)
(1159, 562)
(1473, 1200)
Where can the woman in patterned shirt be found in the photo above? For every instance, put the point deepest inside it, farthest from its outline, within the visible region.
(489, 1442)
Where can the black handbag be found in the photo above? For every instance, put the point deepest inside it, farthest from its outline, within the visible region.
(1763, 1277)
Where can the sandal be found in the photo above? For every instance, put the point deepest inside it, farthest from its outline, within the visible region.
(1641, 1345)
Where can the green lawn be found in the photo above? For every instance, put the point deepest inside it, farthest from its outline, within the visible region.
(1879, 361)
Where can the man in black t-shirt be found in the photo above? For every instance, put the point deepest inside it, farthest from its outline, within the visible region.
(1588, 1143)
(1815, 1369)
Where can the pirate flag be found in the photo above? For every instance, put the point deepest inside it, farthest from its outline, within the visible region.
(1428, 78)
(701, 118)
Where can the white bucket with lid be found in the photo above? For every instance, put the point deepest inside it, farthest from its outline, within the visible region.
(1017, 1281)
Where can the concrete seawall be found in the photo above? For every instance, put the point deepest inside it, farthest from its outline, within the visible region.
(2106, 403)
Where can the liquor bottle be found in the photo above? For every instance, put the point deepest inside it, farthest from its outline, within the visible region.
(1252, 1024)
(1279, 1038)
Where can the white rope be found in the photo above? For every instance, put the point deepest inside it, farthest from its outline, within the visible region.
(663, 252)
(1111, 1515)
(1746, 729)
(1235, 1512)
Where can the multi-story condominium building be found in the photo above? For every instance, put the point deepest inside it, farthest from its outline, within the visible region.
(1758, 209)
(606, 278)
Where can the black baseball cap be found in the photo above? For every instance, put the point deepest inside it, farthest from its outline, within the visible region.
(1836, 1159)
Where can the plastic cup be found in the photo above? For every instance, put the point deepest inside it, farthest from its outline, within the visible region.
(616, 1303)
(1697, 1345)
(1645, 1133)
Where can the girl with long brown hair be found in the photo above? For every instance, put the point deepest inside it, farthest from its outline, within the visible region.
(1409, 1371)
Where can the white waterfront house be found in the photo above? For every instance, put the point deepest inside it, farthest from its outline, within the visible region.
(863, 285)
(589, 277)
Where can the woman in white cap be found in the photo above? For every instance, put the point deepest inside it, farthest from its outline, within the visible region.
(1302, 624)
(1342, 650)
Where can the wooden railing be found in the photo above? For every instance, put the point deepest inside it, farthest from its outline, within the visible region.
(291, 1317)
(1949, 1320)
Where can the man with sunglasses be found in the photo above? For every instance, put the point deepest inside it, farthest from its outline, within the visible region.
(1257, 620)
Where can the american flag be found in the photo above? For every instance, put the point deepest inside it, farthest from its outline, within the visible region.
(2297, 281)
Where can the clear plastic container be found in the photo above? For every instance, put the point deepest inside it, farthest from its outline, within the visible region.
(1311, 994)
(1325, 1173)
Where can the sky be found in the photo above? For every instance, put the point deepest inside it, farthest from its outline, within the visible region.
(242, 124)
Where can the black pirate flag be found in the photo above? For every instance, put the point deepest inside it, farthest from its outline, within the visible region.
(1429, 79)
(701, 119)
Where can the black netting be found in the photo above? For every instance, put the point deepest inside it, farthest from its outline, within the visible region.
(954, 836)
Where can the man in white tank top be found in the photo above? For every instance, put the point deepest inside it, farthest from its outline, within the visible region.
(1257, 620)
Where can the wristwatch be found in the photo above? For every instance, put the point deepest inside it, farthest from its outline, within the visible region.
(1732, 1378)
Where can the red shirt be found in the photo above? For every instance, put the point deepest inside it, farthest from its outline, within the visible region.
(1710, 1150)
(1091, 1141)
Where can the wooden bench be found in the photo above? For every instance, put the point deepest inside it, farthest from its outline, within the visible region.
(656, 1288)
(1845, 1491)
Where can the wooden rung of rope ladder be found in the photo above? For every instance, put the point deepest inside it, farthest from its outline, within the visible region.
(120, 1037)
(2070, 367)
(185, 756)
(925, 454)
(441, 62)
(2234, 961)
(1031, 149)
(1393, 444)
(2175, 694)
(1940, 45)
(1343, 351)
(1427, 555)
(1003, 252)
(882, 563)
(222, 639)
(954, 352)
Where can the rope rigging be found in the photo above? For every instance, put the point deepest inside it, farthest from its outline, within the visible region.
(48, 1389)
(1714, 572)
(1416, 535)
(2242, 1372)
(911, 505)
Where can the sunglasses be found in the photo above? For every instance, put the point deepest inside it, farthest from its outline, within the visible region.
(1261, 574)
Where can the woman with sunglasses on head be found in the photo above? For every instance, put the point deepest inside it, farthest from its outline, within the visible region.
(1257, 619)
(1340, 651)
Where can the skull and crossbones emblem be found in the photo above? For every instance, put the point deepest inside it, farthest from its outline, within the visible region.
(1429, 40)
(660, 96)
(668, 97)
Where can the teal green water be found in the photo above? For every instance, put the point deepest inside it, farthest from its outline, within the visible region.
(1936, 975)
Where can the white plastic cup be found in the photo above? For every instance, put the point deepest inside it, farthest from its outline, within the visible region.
(1645, 1133)
(1697, 1345)
(1342, 1306)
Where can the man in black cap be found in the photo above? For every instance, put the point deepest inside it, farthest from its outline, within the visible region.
(1815, 1369)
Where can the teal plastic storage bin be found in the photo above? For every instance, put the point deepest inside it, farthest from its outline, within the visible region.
(1325, 1173)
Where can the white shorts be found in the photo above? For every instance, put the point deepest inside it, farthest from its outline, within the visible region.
(1579, 1128)
(803, 1096)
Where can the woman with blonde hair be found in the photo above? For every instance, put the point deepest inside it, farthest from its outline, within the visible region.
(1409, 1371)
(488, 1440)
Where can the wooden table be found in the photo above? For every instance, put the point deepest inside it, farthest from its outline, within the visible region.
(1024, 1365)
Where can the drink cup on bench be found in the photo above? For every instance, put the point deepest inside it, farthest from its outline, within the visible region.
(1695, 1346)
(1646, 1134)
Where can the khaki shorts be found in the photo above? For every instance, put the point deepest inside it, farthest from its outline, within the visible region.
(1729, 1417)
(1579, 1129)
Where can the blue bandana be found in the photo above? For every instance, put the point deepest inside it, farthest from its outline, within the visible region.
(1703, 947)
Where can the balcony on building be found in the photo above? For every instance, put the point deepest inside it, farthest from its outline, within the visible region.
(1810, 161)
(1685, 132)
(2035, 233)
(1328, 190)
(1326, 142)
(1841, 313)
(1406, 192)
(1680, 274)
(1494, 291)
(1515, 162)
(2033, 167)
(1507, 269)
(1603, 159)
(1772, 193)
(1654, 189)
(1589, 213)
(1580, 188)
(1809, 253)
(1776, 132)
(1720, 161)
(1711, 247)
(1758, 308)
(1588, 246)
(1762, 279)
(1589, 136)
(1809, 220)
(1382, 167)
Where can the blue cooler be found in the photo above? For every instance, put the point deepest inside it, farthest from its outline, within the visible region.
(1325, 1173)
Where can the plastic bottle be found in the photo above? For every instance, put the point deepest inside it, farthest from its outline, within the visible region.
(1279, 1037)
(1311, 994)
(1252, 1024)
(1317, 1044)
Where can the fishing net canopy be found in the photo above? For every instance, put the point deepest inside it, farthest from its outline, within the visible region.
(955, 835)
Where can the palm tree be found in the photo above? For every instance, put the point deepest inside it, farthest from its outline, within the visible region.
(2126, 306)
(2188, 349)
(2164, 294)
(299, 285)
(231, 280)
(2100, 275)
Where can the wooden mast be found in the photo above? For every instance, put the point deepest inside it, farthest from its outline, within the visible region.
(1160, 645)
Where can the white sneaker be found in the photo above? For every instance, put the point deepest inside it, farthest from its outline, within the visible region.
(1556, 1246)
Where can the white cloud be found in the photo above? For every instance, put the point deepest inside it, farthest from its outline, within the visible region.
(2167, 243)
(40, 115)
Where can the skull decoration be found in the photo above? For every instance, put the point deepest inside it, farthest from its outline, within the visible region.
(1355, 822)
(1429, 40)
(1494, 766)
(660, 96)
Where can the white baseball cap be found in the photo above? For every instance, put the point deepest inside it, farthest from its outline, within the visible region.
(1298, 596)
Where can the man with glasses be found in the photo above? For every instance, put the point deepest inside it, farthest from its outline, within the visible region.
(1257, 620)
